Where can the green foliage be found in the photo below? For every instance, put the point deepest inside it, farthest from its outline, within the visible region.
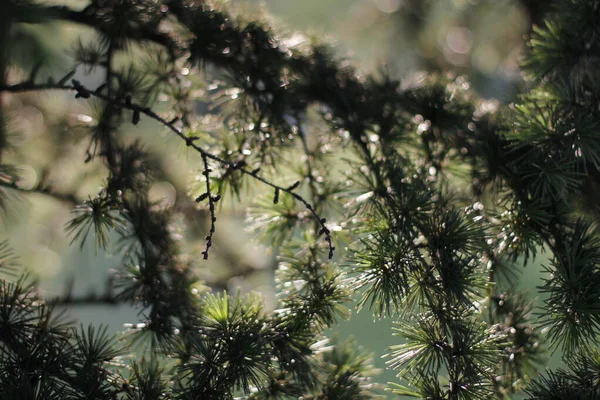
(98, 213)
(418, 199)
(581, 382)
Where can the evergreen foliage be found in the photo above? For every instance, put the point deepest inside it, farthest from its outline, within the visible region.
(442, 197)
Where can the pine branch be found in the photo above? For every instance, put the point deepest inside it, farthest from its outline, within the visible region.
(68, 198)
(90, 299)
(85, 93)
(91, 16)
(422, 252)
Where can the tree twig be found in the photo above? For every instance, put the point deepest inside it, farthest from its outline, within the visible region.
(211, 205)
(83, 92)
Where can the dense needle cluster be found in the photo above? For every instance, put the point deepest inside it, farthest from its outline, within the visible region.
(419, 200)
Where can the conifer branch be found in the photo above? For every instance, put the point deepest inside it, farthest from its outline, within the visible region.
(68, 198)
(83, 92)
(90, 299)
(424, 251)
(92, 18)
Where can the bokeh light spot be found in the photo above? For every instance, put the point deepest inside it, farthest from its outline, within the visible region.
(27, 177)
(459, 40)
(163, 194)
(387, 6)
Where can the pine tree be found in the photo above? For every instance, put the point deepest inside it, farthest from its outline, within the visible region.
(440, 201)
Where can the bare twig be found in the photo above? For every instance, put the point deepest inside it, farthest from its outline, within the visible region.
(211, 205)
(83, 92)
